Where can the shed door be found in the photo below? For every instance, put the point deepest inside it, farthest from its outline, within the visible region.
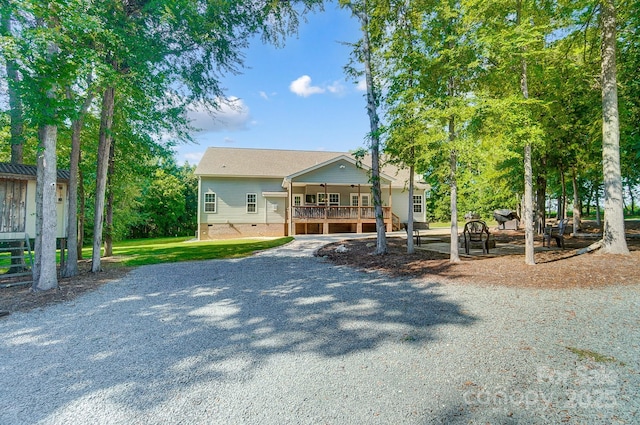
(13, 195)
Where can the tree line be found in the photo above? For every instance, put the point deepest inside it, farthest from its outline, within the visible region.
(503, 104)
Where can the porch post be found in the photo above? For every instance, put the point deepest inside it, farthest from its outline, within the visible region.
(289, 218)
(325, 225)
(390, 218)
(359, 222)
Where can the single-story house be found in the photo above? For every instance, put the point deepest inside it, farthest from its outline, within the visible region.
(18, 201)
(271, 192)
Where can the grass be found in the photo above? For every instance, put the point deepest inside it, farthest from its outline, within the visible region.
(592, 355)
(140, 252)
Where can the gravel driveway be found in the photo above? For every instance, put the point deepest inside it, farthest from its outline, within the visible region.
(285, 338)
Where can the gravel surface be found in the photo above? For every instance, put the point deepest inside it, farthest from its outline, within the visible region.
(285, 338)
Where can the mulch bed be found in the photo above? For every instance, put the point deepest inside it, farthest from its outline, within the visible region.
(555, 268)
(22, 298)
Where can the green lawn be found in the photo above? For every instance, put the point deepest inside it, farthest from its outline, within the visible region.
(170, 250)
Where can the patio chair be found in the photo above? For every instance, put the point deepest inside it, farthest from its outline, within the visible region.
(476, 233)
(555, 232)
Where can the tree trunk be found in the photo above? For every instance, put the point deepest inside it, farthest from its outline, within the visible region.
(81, 210)
(562, 202)
(71, 266)
(527, 215)
(45, 274)
(589, 200)
(104, 146)
(613, 236)
(108, 233)
(541, 197)
(631, 197)
(577, 219)
(372, 102)
(454, 254)
(598, 217)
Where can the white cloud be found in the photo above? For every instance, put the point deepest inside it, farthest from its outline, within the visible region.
(229, 140)
(193, 157)
(264, 95)
(232, 115)
(302, 87)
(336, 88)
(362, 85)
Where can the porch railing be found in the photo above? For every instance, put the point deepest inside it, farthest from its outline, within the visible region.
(334, 212)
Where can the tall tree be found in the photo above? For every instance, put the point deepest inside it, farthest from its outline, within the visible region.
(104, 147)
(529, 257)
(44, 272)
(74, 248)
(404, 128)
(361, 11)
(613, 236)
(16, 113)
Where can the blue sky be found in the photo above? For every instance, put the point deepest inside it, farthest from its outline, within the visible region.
(294, 97)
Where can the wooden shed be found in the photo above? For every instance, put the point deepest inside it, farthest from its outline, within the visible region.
(18, 220)
(18, 201)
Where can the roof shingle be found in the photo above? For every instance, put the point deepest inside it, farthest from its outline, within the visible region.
(28, 170)
(274, 163)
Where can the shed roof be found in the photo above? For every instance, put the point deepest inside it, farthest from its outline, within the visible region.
(28, 170)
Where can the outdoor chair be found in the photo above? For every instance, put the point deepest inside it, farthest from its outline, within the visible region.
(476, 233)
(555, 232)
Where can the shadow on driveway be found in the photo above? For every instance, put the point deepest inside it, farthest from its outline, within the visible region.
(132, 346)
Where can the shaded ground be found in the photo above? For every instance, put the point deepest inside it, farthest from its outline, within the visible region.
(555, 268)
(21, 298)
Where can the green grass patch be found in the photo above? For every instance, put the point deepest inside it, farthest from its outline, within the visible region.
(592, 355)
(140, 252)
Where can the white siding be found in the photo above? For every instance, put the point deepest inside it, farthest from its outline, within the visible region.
(401, 205)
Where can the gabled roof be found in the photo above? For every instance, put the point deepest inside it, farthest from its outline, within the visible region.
(342, 157)
(278, 163)
(28, 170)
(241, 162)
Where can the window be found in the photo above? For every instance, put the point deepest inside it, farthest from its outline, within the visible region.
(210, 204)
(365, 197)
(417, 203)
(297, 200)
(252, 203)
(334, 198)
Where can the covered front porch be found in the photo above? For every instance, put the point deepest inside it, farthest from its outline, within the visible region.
(336, 197)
